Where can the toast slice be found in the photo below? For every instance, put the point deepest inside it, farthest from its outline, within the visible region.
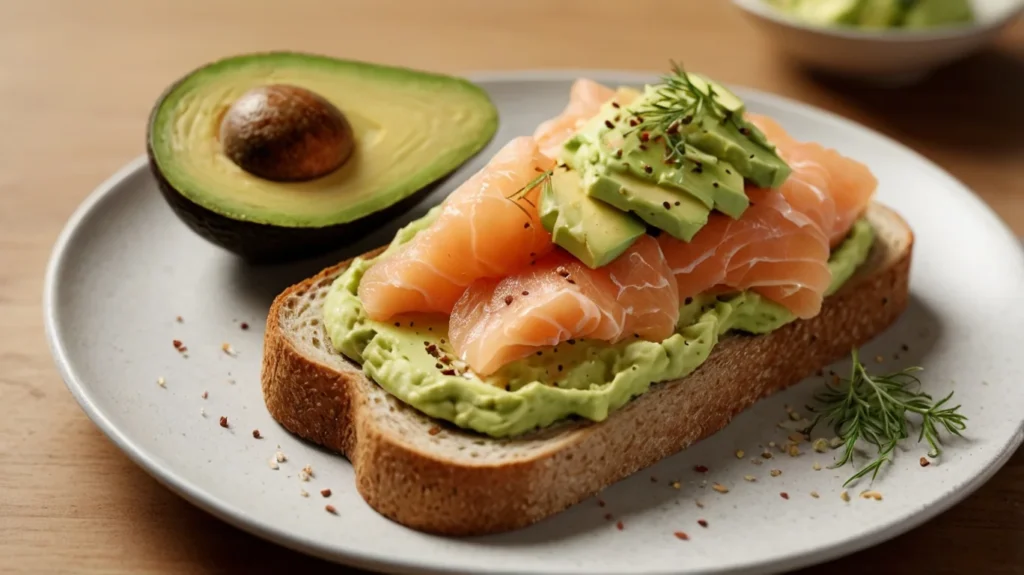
(434, 477)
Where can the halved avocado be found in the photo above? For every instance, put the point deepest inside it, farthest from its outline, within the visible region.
(286, 155)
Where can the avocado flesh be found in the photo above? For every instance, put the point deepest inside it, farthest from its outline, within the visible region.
(825, 12)
(675, 212)
(411, 129)
(881, 13)
(929, 13)
(593, 231)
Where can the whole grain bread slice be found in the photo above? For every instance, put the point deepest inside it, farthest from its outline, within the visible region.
(437, 478)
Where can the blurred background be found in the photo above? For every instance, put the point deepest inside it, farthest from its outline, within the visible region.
(77, 82)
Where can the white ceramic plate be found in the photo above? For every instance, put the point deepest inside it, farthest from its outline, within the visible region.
(125, 267)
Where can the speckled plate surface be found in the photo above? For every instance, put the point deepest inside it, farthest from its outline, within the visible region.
(125, 268)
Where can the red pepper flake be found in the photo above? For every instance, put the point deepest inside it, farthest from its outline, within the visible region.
(645, 136)
(177, 344)
(681, 535)
(448, 372)
(619, 526)
(560, 270)
(925, 462)
(434, 430)
(700, 469)
(256, 434)
(223, 421)
(608, 516)
(526, 225)
(525, 293)
(570, 341)
(784, 495)
(702, 523)
(244, 325)
(325, 492)
(509, 299)
(615, 105)
(654, 479)
(178, 319)
(330, 509)
(205, 395)
(600, 502)
(609, 124)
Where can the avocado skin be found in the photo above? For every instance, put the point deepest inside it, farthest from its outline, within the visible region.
(267, 244)
(258, 243)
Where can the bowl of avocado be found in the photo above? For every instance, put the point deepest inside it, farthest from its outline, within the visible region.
(282, 156)
(898, 41)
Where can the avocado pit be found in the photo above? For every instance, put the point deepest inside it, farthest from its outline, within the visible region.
(285, 133)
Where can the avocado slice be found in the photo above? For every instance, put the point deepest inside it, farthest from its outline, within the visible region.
(930, 13)
(673, 211)
(408, 130)
(828, 12)
(881, 13)
(593, 231)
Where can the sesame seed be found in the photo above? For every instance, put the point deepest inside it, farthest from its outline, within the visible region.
(775, 472)
(820, 445)
(161, 382)
(844, 496)
(720, 488)
(814, 494)
(816, 466)
(750, 478)
(739, 454)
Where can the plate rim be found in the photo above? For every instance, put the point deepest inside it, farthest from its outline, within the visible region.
(240, 518)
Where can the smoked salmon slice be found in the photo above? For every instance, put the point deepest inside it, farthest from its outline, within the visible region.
(558, 299)
(830, 188)
(774, 249)
(585, 100)
(485, 229)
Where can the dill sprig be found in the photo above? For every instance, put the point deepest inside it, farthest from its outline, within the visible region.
(675, 104)
(875, 409)
(542, 179)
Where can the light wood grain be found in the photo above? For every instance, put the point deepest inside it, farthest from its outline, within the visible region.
(77, 80)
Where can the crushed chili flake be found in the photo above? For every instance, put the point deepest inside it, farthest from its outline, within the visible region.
(256, 434)
(179, 319)
(600, 502)
(682, 536)
(702, 522)
(177, 344)
(619, 526)
(784, 495)
(924, 462)
(509, 299)
(447, 372)
(432, 350)
(330, 509)
(608, 516)
(434, 430)
(223, 421)
(244, 325)
(204, 395)
(325, 492)
(700, 469)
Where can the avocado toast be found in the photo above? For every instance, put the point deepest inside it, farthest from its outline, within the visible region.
(463, 410)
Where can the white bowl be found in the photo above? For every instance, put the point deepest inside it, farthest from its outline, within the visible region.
(896, 55)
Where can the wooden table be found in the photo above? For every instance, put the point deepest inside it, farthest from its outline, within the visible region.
(77, 80)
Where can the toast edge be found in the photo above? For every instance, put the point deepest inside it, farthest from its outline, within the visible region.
(423, 491)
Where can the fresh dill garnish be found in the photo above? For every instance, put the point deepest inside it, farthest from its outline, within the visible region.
(542, 179)
(875, 409)
(674, 105)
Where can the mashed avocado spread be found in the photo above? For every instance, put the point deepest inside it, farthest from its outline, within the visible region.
(414, 361)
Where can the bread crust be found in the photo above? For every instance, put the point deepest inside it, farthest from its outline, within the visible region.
(333, 404)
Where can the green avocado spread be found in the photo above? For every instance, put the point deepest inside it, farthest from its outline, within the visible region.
(413, 360)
